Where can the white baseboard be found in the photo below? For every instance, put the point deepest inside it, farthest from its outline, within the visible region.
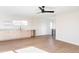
(69, 42)
(43, 34)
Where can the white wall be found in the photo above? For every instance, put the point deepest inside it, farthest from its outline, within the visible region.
(40, 23)
(43, 27)
(67, 27)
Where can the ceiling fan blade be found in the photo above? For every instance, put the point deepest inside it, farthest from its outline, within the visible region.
(40, 8)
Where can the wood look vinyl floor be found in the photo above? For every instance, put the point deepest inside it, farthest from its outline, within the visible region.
(46, 43)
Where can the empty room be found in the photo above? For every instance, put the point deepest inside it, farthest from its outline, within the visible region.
(39, 29)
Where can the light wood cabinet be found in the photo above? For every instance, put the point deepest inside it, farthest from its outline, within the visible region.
(9, 35)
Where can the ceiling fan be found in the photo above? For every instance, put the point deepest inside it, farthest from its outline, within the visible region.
(42, 8)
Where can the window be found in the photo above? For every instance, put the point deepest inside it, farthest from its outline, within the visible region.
(20, 22)
(12, 24)
(51, 25)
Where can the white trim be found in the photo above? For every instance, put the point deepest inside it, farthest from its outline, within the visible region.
(69, 42)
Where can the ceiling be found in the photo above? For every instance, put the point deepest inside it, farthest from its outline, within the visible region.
(33, 11)
(21, 10)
